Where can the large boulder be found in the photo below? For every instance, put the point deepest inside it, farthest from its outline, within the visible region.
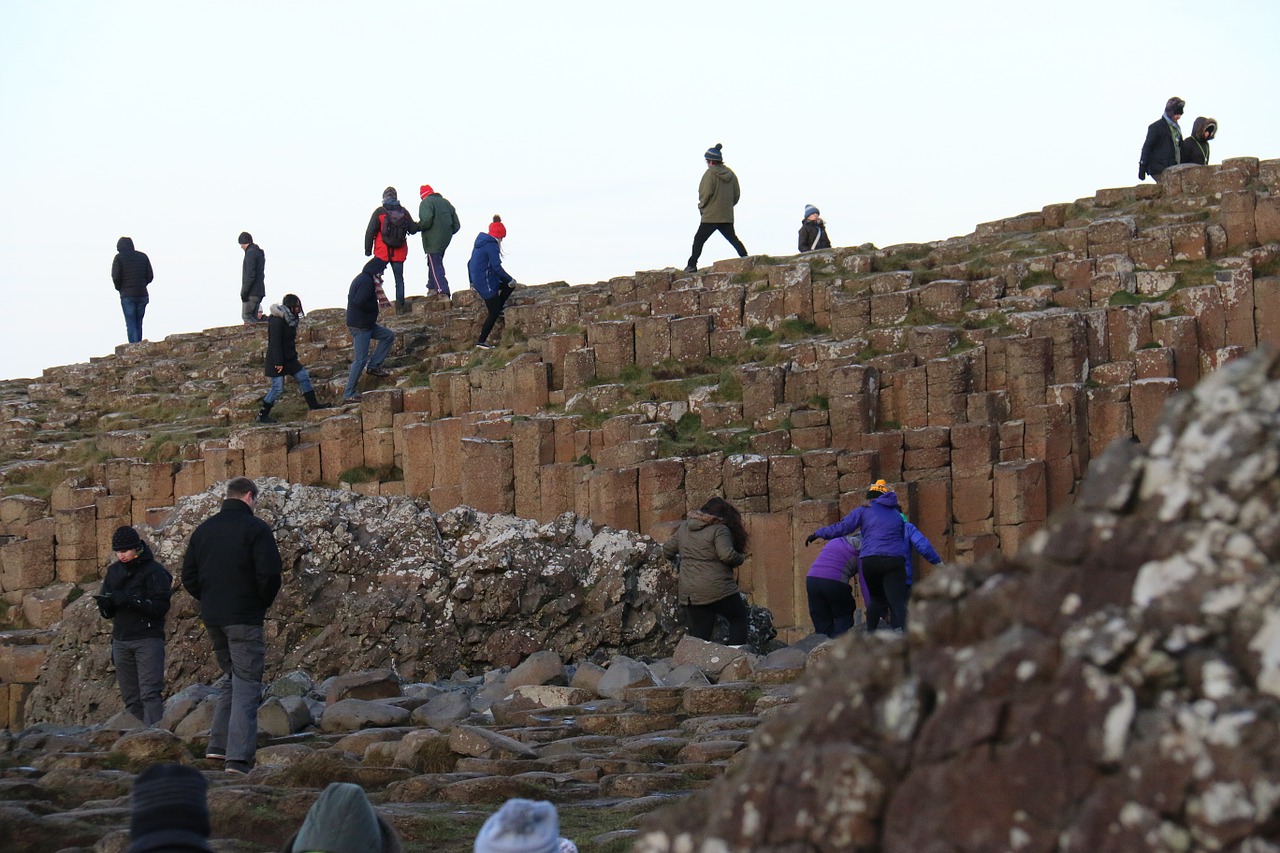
(1115, 686)
(383, 583)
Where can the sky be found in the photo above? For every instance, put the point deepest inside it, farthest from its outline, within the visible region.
(181, 124)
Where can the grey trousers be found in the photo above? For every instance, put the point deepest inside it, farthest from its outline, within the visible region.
(140, 674)
(239, 650)
(249, 309)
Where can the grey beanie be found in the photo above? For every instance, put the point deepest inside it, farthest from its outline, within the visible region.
(713, 153)
(520, 826)
(809, 210)
(343, 821)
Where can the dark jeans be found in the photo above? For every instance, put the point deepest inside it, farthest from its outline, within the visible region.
(134, 307)
(397, 270)
(239, 650)
(360, 340)
(436, 279)
(140, 674)
(705, 230)
(831, 605)
(887, 590)
(702, 618)
(495, 304)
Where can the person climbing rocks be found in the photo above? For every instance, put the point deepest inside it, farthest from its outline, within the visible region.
(718, 192)
(883, 563)
(1163, 145)
(135, 596)
(826, 586)
(131, 273)
(488, 278)
(282, 357)
(710, 544)
(1195, 148)
(387, 238)
(253, 280)
(364, 298)
(813, 231)
(437, 222)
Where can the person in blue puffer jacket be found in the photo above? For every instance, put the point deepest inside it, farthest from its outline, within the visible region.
(883, 563)
(488, 278)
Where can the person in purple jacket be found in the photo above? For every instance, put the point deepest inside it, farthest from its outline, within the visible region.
(883, 564)
(831, 605)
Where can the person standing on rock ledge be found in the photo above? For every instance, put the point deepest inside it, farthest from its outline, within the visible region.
(131, 273)
(1163, 146)
(282, 357)
(253, 280)
(232, 567)
(135, 594)
(718, 192)
(710, 544)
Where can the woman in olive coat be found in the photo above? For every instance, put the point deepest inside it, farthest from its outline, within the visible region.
(710, 544)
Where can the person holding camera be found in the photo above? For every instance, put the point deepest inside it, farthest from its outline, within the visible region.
(135, 594)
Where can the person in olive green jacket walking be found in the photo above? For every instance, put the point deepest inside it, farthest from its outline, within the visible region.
(717, 194)
(438, 222)
(709, 545)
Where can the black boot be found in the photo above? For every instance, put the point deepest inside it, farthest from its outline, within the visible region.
(264, 413)
(312, 402)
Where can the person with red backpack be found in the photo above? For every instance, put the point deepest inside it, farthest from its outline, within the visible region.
(387, 238)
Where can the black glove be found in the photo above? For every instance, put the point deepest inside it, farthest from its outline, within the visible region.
(812, 536)
(1142, 172)
(119, 598)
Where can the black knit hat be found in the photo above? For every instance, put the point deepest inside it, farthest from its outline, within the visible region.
(245, 238)
(713, 154)
(125, 539)
(169, 800)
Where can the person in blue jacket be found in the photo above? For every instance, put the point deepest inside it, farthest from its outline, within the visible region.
(883, 564)
(914, 540)
(488, 278)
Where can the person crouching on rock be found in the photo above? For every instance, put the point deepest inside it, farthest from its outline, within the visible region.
(282, 357)
(135, 593)
(710, 544)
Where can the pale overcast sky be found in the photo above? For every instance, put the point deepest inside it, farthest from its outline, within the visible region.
(180, 124)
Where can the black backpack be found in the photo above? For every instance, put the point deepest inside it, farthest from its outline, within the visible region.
(395, 226)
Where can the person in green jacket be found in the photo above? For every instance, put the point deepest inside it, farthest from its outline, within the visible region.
(438, 222)
(717, 194)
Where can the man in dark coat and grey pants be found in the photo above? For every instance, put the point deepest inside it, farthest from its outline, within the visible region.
(131, 273)
(1163, 146)
(253, 278)
(232, 567)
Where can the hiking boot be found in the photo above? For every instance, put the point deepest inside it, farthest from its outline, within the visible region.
(377, 371)
(215, 755)
(264, 413)
(354, 398)
(312, 402)
(239, 768)
(691, 268)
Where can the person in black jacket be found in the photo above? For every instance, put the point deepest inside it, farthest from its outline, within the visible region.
(1163, 145)
(253, 280)
(364, 298)
(131, 273)
(282, 357)
(135, 594)
(1195, 148)
(813, 231)
(232, 567)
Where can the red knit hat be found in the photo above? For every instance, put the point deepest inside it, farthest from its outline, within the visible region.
(496, 228)
(425, 190)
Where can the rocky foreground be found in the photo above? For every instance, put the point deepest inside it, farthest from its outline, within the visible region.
(607, 744)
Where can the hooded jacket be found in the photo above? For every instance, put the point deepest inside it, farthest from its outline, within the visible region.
(717, 193)
(343, 821)
(130, 269)
(707, 559)
(253, 276)
(913, 539)
(362, 297)
(373, 236)
(1162, 147)
(282, 347)
(1195, 148)
(485, 267)
(881, 524)
(438, 222)
(232, 566)
(147, 586)
(837, 561)
(811, 231)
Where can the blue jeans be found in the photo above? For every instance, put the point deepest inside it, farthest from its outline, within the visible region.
(360, 340)
(277, 385)
(436, 279)
(239, 650)
(134, 307)
(140, 674)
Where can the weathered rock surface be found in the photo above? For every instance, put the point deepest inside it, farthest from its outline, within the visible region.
(1115, 687)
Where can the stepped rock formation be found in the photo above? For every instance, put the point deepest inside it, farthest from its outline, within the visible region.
(1113, 687)
(383, 582)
